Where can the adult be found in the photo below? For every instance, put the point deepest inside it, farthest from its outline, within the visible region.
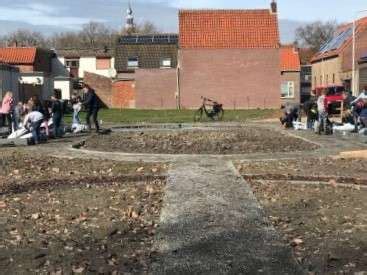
(362, 96)
(310, 109)
(57, 112)
(291, 114)
(91, 103)
(7, 109)
(18, 112)
(33, 122)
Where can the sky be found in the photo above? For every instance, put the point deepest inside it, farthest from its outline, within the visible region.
(50, 16)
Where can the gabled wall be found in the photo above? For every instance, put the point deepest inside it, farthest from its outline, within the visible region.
(237, 78)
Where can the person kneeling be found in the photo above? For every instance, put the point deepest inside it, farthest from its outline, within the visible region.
(33, 122)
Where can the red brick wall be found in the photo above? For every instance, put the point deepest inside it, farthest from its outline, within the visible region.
(296, 78)
(102, 86)
(237, 78)
(361, 50)
(123, 94)
(156, 88)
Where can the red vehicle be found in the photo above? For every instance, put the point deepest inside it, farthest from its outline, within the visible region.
(333, 97)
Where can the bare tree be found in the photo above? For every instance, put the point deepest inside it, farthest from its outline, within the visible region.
(146, 27)
(315, 34)
(23, 37)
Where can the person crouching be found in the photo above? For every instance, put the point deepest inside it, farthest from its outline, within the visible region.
(33, 122)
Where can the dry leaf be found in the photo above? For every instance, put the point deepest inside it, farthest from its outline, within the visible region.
(2, 205)
(140, 169)
(78, 270)
(296, 242)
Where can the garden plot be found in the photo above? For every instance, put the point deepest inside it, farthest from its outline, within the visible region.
(72, 216)
(221, 141)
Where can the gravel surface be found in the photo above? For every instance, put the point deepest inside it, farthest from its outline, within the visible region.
(234, 141)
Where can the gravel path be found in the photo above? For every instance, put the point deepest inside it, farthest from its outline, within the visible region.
(211, 223)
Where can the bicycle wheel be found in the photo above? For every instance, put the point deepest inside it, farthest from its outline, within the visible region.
(219, 116)
(198, 116)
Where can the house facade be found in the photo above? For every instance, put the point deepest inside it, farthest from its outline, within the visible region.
(362, 72)
(9, 80)
(290, 75)
(333, 64)
(35, 70)
(75, 62)
(231, 56)
(151, 62)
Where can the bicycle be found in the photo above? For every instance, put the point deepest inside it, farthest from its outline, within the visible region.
(215, 114)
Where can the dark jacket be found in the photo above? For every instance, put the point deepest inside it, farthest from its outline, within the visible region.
(56, 108)
(91, 101)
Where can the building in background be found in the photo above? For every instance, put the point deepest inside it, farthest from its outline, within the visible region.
(151, 62)
(290, 74)
(231, 56)
(362, 68)
(333, 64)
(35, 68)
(71, 65)
(9, 80)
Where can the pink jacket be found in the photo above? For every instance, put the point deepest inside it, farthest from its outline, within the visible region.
(7, 105)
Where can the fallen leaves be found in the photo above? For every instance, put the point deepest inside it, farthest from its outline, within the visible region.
(2, 205)
(296, 242)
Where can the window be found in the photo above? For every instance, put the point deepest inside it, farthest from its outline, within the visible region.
(287, 89)
(166, 63)
(133, 63)
(72, 63)
(327, 79)
(103, 63)
(333, 78)
(321, 80)
(315, 80)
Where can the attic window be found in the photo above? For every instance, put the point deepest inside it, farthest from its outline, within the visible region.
(166, 63)
(72, 63)
(133, 63)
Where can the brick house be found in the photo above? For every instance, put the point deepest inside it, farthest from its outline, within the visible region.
(231, 56)
(9, 80)
(332, 65)
(290, 74)
(75, 62)
(362, 68)
(35, 67)
(151, 62)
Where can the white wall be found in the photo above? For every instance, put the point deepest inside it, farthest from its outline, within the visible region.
(65, 87)
(47, 84)
(9, 81)
(89, 64)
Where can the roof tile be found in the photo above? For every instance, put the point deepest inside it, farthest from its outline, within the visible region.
(18, 55)
(228, 29)
(289, 59)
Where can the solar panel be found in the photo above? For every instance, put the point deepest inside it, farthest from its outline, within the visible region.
(337, 41)
(149, 39)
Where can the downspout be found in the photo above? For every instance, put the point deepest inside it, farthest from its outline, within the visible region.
(178, 91)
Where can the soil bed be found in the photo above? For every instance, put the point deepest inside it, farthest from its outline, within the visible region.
(325, 225)
(307, 169)
(226, 141)
(61, 216)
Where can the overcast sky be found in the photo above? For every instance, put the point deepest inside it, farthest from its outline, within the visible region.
(53, 15)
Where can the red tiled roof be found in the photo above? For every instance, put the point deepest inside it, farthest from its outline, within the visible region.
(289, 59)
(361, 25)
(18, 55)
(218, 29)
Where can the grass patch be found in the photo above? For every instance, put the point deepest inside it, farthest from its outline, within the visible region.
(173, 116)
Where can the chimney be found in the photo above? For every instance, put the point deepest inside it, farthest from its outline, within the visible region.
(274, 6)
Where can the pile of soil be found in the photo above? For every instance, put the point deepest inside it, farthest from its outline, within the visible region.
(226, 141)
(325, 225)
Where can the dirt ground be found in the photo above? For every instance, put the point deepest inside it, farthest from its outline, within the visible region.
(345, 170)
(72, 216)
(241, 141)
(325, 224)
